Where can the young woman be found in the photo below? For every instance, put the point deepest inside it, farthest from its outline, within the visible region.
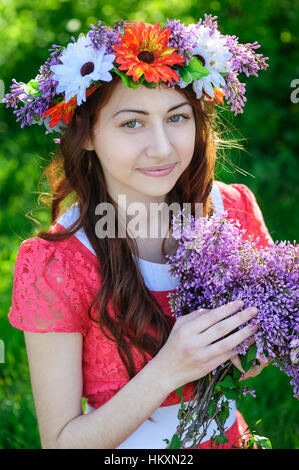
(94, 308)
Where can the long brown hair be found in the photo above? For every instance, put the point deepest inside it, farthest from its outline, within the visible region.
(76, 175)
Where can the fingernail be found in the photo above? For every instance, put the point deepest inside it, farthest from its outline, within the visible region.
(253, 311)
(239, 303)
(253, 326)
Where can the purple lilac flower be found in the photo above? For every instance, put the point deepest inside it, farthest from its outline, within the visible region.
(209, 21)
(245, 391)
(104, 36)
(244, 60)
(217, 264)
(36, 105)
(180, 39)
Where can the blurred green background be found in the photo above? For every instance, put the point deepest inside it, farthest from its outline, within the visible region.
(269, 166)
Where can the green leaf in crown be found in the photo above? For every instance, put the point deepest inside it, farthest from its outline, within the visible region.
(32, 88)
(127, 81)
(193, 71)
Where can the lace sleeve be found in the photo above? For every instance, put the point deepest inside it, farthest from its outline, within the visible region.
(46, 296)
(254, 219)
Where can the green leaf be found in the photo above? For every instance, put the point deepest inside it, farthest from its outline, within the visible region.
(175, 442)
(183, 406)
(228, 382)
(179, 391)
(231, 394)
(33, 83)
(83, 402)
(223, 415)
(32, 88)
(262, 442)
(244, 363)
(251, 353)
(127, 81)
(211, 409)
(193, 71)
(236, 373)
(257, 422)
(143, 81)
(221, 439)
(250, 443)
(246, 359)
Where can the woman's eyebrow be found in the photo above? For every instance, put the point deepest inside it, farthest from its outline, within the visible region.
(146, 113)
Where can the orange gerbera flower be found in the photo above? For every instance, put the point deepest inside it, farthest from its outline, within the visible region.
(65, 110)
(219, 94)
(143, 51)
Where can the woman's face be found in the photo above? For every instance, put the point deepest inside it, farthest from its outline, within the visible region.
(142, 128)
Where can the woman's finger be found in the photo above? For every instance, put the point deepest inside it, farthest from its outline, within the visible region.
(226, 326)
(205, 319)
(230, 342)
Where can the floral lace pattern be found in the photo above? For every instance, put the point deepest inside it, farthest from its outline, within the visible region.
(55, 283)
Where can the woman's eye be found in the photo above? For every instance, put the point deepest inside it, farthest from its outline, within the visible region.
(130, 124)
(179, 115)
(126, 124)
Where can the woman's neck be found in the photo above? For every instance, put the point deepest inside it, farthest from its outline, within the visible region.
(150, 249)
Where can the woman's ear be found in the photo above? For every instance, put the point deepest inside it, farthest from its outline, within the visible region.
(87, 144)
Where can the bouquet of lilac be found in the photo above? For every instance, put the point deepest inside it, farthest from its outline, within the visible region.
(217, 265)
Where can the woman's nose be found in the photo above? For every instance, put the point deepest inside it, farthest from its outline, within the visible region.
(159, 143)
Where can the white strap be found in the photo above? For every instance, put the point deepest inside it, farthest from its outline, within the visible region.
(217, 199)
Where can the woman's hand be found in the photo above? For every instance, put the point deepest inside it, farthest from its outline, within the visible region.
(201, 341)
(253, 371)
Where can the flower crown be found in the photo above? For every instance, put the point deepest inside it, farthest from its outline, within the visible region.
(175, 54)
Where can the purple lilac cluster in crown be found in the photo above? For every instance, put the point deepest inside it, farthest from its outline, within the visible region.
(213, 62)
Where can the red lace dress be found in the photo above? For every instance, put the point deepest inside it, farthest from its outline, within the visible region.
(55, 282)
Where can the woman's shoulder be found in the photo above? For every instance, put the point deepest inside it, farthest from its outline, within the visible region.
(74, 249)
(241, 204)
(39, 251)
(237, 194)
(49, 287)
(43, 258)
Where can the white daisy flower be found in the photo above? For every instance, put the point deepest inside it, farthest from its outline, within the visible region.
(81, 64)
(215, 57)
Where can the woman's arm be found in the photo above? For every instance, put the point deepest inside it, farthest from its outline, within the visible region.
(192, 350)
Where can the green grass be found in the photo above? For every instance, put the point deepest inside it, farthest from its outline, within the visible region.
(275, 405)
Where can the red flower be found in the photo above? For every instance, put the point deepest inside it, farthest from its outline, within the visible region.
(143, 51)
(65, 110)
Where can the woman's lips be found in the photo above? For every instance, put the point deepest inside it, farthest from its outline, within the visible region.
(157, 173)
